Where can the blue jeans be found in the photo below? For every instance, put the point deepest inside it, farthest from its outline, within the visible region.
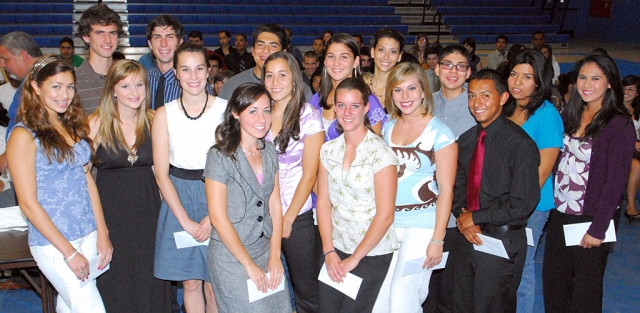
(527, 289)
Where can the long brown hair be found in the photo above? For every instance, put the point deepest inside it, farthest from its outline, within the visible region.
(110, 132)
(34, 115)
(291, 117)
(228, 133)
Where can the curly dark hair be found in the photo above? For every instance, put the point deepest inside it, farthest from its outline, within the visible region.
(99, 14)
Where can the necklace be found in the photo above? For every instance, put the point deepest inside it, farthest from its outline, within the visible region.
(372, 90)
(249, 153)
(199, 115)
(132, 157)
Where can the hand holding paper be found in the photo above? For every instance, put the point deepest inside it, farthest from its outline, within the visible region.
(350, 285)
(94, 272)
(491, 246)
(185, 240)
(574, 233)
(416, 265)
(255, 294)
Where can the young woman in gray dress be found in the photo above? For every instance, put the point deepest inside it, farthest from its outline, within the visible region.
(241, 183)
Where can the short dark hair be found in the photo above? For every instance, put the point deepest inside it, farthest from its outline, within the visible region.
(455, 48)
(195, 34)
(165, 21)
(189, 47)
(243, 36)
(99, 14)
(274, 29)
(367, 52)
(388, 32)
(67, 40)
(359, 36)
(330, 32)
(435, 49)
(310, 54)
(493, 75)
(537, 32)
(222, 75)
(506, 39)
(215, 57)
(226, 32)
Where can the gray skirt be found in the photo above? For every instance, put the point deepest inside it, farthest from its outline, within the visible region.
(229, 280)
(175, 264)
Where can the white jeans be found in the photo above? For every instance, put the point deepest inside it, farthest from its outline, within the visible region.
(71, 298)
(406, 294)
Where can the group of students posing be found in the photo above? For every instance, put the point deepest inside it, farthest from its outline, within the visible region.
(386, 183)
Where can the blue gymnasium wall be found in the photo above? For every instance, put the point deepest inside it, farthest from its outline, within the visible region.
(622, 27)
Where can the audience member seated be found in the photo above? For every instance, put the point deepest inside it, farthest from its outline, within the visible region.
(195, 37)
(327, 35)
(420, 48)
(359, 40)
(631, 84)
(220, 79)
(310, 65)
(500, 54)
(224, 37)
(295, 52)
(214, 62)
(366, 62)
(548, 53)
(537, 41)
(67, 52)
(240, 59)
(316, 79)
(565, 88)
(503, 68)
(432, 61)
(476, 62)
(318, 48)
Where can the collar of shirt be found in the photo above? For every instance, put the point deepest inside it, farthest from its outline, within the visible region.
(88, 71)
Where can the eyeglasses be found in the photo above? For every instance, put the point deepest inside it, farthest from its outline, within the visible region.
(461, 67)
(630, 89)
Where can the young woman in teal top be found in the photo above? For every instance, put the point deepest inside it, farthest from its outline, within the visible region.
(530, 86)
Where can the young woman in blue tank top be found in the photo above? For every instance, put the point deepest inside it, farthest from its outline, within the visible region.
(48, 154)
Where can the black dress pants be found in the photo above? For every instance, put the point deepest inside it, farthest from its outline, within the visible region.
(572, 277)
(485, 283)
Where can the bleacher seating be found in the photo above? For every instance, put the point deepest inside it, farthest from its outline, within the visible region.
(306, 18)
(485, 19)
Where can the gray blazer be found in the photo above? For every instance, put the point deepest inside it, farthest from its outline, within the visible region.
(247, 199)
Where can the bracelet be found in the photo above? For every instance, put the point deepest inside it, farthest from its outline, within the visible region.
(71, 256)
(327, 253)
(438, 242)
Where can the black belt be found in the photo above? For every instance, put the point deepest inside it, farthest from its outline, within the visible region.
(186, 174)
(501, 229)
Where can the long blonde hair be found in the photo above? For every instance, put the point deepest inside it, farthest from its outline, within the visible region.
(110, 132)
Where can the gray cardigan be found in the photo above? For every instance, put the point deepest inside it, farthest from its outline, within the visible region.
(247, 199)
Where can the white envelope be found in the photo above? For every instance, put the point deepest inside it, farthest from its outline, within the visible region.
(573, 233)
(529, 232)
(350, 285)
(452, 221)
(491, 246)
(94, 272)
(255, 294)
(415, 265)
(185, 240)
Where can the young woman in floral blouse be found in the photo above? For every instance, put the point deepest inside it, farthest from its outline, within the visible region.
(357, 183)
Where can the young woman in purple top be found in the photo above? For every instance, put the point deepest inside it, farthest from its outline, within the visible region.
(298, 134)
(342, 60)
(48, 154)
(590, 175)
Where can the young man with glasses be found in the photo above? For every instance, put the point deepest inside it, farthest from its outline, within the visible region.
(451, 107)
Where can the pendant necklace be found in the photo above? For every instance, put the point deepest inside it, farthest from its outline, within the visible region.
(132, 157)
(199, 115)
